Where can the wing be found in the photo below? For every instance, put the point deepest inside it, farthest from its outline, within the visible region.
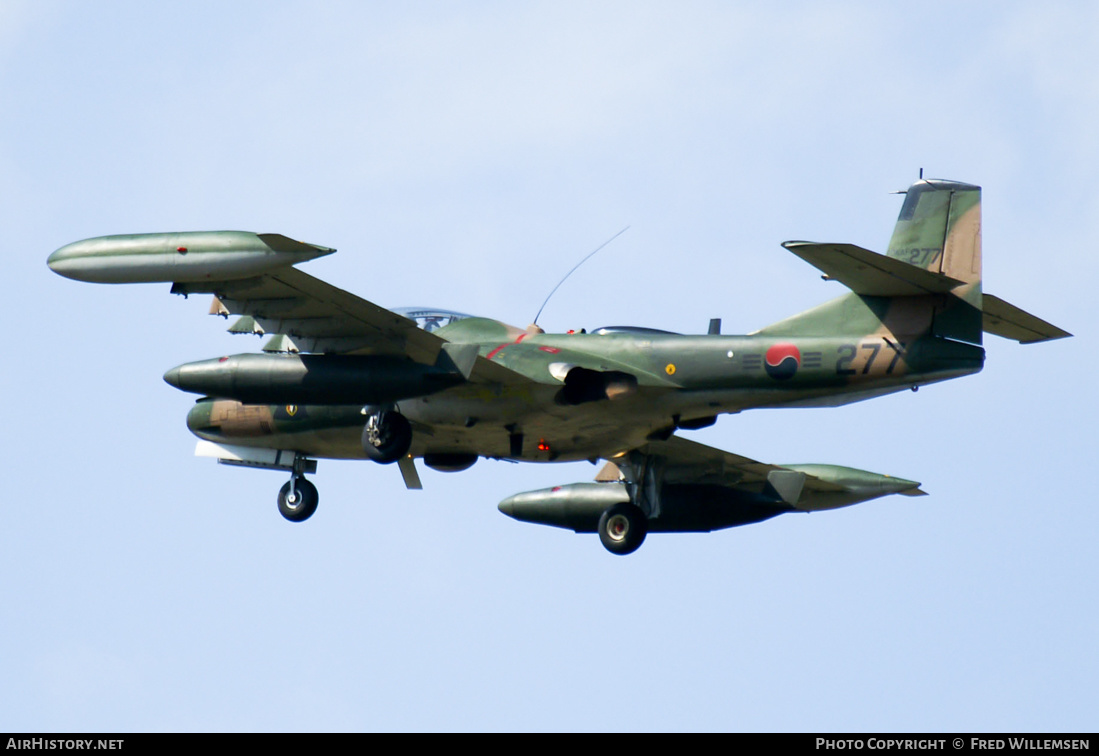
(684, 487)
(306, 314)
(316, 316)
(252, 275)
(806, 487)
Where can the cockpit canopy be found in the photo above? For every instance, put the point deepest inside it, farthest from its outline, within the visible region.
(434, 318)
(430, 318)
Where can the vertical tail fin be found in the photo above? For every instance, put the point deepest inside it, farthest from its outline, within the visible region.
(939, 230)
(928, 284)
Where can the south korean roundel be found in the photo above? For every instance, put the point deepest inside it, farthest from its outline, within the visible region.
(782, 361)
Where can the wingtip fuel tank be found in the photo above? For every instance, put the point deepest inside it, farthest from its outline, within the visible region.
(188, 257)
(575, 506)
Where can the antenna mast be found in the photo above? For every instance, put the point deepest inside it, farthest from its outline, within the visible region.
(590, 255)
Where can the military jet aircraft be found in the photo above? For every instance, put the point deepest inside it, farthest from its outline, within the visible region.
(340, 377)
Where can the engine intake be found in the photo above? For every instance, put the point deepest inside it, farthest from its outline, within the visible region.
(583, 385)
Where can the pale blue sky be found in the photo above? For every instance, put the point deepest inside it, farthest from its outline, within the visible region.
(466, 155)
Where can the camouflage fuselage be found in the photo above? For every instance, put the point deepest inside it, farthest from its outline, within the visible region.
(662, 381)
(341, 377)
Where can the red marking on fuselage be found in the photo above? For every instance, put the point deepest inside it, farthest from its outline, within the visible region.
(779, 352)
(496, 351)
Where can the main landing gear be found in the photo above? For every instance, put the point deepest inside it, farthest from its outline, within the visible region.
(622, 528)
(387, 436)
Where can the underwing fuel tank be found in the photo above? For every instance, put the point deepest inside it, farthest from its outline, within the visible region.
(311, 378)
(187, 257)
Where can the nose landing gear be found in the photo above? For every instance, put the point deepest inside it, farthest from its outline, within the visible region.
(298, 499)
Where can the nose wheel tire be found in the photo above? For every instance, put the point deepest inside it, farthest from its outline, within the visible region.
(622, 528)
(300, 504)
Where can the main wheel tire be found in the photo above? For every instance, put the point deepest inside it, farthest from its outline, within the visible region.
(387, 437)
(622, 528)
(304, 503)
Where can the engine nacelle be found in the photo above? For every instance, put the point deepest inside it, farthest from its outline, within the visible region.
(311, 378)
(449, 462)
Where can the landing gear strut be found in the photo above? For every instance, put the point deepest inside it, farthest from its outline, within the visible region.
(622, 528)
(387, 436)
(298, 499)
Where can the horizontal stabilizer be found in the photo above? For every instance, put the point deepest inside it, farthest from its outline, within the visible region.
(869, 273)
(1008, 321)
